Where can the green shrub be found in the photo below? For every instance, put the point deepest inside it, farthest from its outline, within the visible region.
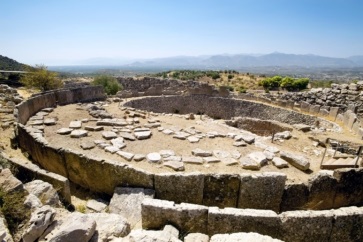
(109, 83)
(39, 77)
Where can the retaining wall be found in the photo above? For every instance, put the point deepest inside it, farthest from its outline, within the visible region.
(343, 224)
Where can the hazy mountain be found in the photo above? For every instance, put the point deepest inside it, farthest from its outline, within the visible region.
(240, 61)
(8, 64)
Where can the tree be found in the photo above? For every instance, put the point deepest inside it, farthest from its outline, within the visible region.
(39, 77)
(109, 83)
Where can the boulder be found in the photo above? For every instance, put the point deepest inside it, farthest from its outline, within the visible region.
(126, 201)
(298, 161)
(109, 224)
(44, 191)
(40, 219)
(150, 236)
(9, 183)
(259, 157)
(76, 227)
(5, 235)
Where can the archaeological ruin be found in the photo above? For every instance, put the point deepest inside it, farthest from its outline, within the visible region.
(201, 159)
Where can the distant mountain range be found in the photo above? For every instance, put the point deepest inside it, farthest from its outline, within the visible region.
(243, 61)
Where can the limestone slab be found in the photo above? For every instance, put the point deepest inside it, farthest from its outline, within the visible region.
(79, 133)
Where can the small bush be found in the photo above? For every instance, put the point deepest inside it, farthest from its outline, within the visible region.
(13, 208)
(109, 83)
(242, 89)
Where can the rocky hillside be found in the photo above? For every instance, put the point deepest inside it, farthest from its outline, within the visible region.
(8, 64)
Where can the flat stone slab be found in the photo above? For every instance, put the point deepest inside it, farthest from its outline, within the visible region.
(201, 153)
(140, 135)
(249, 139)
(283, 135)
(192, 160)
(175, 165)
(118, 142)
(302, 127)
(181, 135)
(229, 161)
(240, 143)
(166, 153)
(153, 157)
(94, 128)
(279, 163)
(50, 121)
(259, 157)
(139, 157)
(211, 159)
(79, 133)
(96, 205)
(87, 145)
(111, 122)
(298, 161)
(109, 135)
(221, 154)
(167, 131)
(111, 149)
(48, 110)
(127, 136)
(249, 164)
(173, 158)
(75, 124)
(235, 154)
(126, 155)
(193, 139)
(64, 131)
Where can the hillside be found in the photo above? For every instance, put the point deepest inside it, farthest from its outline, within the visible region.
(8, 64)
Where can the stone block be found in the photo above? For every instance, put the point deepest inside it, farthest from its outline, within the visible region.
(349, 189)
(298, 161)
(295, 197)
(126, 201)
(333, 113)
(232, 220)
(262, 191)
(243, 237)
(314, 109)
(221, 190)
(324, 112)
(322, 191)
(347, 225)
(180, 187)
(306, 225)
(305, 107)
(187, 218)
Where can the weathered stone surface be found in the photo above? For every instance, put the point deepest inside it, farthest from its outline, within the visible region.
(40, 219)
(295, 197)
(173, 158)
(127, 136)
(139, 157)
(300, 225)
(302, 127)
(94, 128)
(249, 164)
(32, 202)
(211, 159)
(221, 190)
(166, 153)
(262, 191)
(150, 236)
(76, 227)
(188, 217)
(96, 206)
(50, 121)
(239, 144)
(118, 142)
(298, 161)
(221, 154)
(193, 139)
(243, 237)
(249, 139)
(111, 149)
(347, 194)
(153, 157)
(142, 135)
(79, 133)
(9, 183)
(233, 220)
(109, 135)
(259, 157)
(322, 189)
(201, 153)
(279, 163)
(196, 237)
(64, 131)
(283, 135)
(44, 191)
(4, 231)
(229, 161)
(109, 224)
(126, 201)
(87, 145)
(179, 187)
(192, 160)
(168, 131)
(75, 125)
(181, 135)
(175, 165)
(126, 155)
(347, 222)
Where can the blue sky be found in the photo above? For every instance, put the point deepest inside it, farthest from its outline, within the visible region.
(66, 31)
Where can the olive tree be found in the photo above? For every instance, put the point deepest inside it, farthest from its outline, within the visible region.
(109, 83)
(42, 79)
